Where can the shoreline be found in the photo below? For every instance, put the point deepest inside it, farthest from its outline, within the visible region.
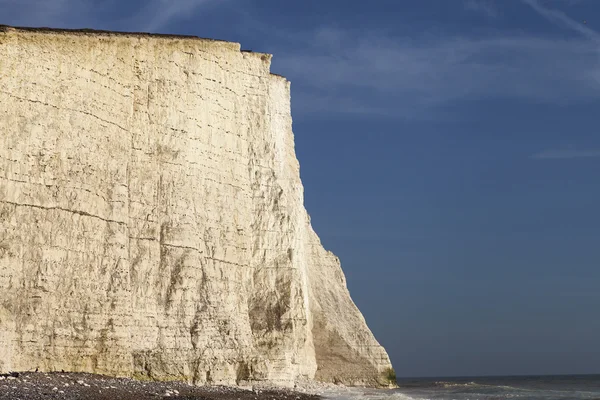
(85, 386)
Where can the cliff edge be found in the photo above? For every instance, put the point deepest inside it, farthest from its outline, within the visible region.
(152, 221)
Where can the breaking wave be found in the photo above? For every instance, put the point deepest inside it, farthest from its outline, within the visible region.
(572, 387)
(365, 394)
(455, 384)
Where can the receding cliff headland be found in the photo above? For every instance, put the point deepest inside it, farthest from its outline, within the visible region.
(152, 221)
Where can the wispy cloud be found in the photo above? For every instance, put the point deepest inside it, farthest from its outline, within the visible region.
(154, 16)
(565, 154)
(53, 13)
(413, 77)
(561, 19)
(160, 13)
(485, 7)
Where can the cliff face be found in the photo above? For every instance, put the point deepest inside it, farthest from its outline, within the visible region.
(152, 220)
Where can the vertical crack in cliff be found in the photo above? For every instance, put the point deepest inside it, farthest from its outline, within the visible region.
(132, 277)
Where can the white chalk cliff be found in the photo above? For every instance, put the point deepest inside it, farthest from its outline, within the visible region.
(152, 221)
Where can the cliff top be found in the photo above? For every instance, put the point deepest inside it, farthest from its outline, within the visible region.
(94, 32)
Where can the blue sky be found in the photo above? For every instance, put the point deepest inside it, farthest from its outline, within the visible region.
(449, 151)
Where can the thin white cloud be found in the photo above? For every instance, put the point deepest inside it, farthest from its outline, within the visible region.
(50, 13)
(485, 7)
(152, 17)
(565, 154)
(411, 77)
(561, 19)
(570, 2)
(160, 13)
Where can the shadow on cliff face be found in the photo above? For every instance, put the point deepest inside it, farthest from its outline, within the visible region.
(343, 366)
(269, 318)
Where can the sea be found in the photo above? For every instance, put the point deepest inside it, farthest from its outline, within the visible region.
(571, 387)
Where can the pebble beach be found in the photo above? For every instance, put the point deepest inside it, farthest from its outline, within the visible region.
(81, 386)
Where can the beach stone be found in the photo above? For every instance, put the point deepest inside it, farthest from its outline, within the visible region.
(152, 221)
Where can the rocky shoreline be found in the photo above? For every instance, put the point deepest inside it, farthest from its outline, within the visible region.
(82, 386)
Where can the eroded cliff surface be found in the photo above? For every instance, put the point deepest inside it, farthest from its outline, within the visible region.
(152, 220)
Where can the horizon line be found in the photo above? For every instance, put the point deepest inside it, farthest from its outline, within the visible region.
(493, 376)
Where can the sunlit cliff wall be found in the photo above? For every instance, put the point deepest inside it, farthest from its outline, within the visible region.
(152, 220)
